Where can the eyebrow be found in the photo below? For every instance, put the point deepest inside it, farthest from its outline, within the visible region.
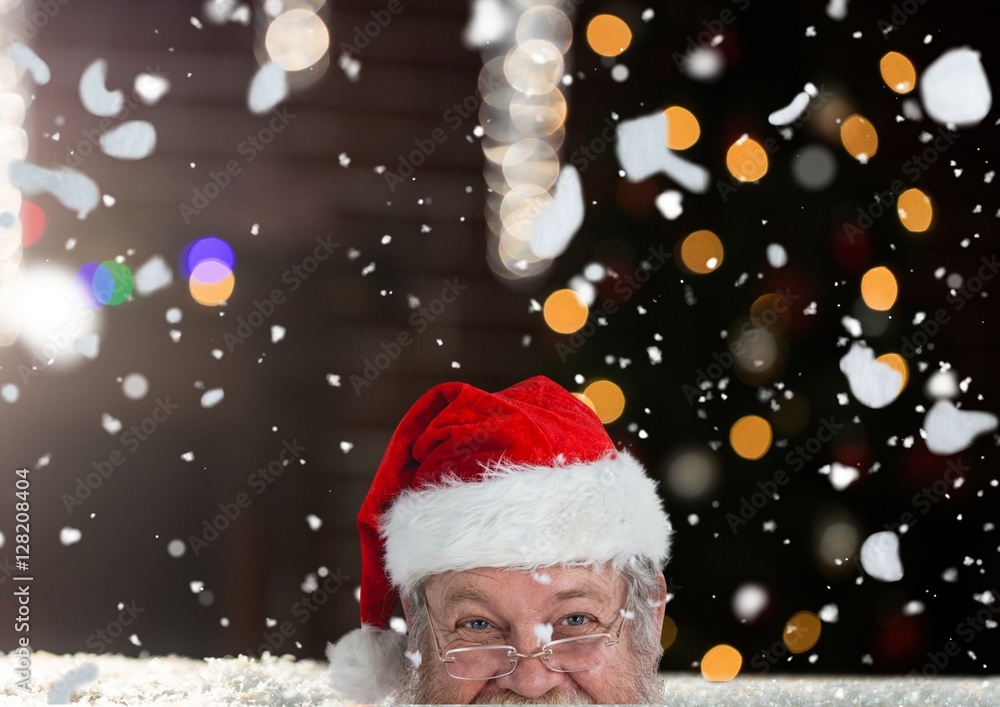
(583, 593)
(460, 594)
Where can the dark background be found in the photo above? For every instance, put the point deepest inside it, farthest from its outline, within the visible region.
(275, 392)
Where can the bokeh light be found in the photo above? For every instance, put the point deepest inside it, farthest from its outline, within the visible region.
(704, 64)
(668, 634)
(512, 259)
(692, 473)
(135, 386)
(750, 437)
(756, 353)
(548, 23)
(32, 223)
(531, 163)
(498, 128)
(565, 311)
(749, 601)
(802, 631)
(608, 400)
(46, 308)
(535, 67)
(838, 541)
(915, 210)
(814, 167)
(608, 35)
(683, 129)
(492, 83)
(112, 282)
(211, 282)
(898, 364)
(772, 312)
(522, 128)
(746, 159)
(859, 138)
(898, 72)
(85, 281)
(207, 248)
(701, 252)
(208, 265)
(879, 288)
(538, 115)
(297, 39)
(721, 664)
(518, 210)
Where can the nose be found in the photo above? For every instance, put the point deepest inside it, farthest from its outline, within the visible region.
(531, 678)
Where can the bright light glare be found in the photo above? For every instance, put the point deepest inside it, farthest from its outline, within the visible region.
(51, 312)
(297, 39)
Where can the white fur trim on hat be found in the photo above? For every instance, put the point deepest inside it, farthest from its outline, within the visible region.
(522, 517)
(367, 664)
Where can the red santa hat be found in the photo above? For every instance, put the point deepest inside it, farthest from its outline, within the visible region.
(520, 479)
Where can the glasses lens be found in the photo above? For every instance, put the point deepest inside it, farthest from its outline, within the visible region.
(483, 663)
(583, 653)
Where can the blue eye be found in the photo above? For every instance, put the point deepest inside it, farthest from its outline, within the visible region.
(477, 624)
(576, 620)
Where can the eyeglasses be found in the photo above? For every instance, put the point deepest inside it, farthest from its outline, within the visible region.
(566, 655)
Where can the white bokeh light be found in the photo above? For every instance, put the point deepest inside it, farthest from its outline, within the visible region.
(51, 311)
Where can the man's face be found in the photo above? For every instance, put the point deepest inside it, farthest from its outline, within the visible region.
(515, 608)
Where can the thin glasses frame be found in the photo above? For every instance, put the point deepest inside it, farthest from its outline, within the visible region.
(545, 653)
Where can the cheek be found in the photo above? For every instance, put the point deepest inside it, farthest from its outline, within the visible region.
(596, 683)
(442, 688)
(608, 684)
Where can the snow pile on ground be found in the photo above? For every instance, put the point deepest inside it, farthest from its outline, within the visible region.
(284, 681)
(172, 680)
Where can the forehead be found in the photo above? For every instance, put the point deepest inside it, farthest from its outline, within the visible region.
(522, 588)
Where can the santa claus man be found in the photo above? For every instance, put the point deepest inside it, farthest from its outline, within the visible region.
(526, 549)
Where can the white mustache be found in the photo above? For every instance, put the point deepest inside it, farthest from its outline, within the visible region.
(552, 697)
